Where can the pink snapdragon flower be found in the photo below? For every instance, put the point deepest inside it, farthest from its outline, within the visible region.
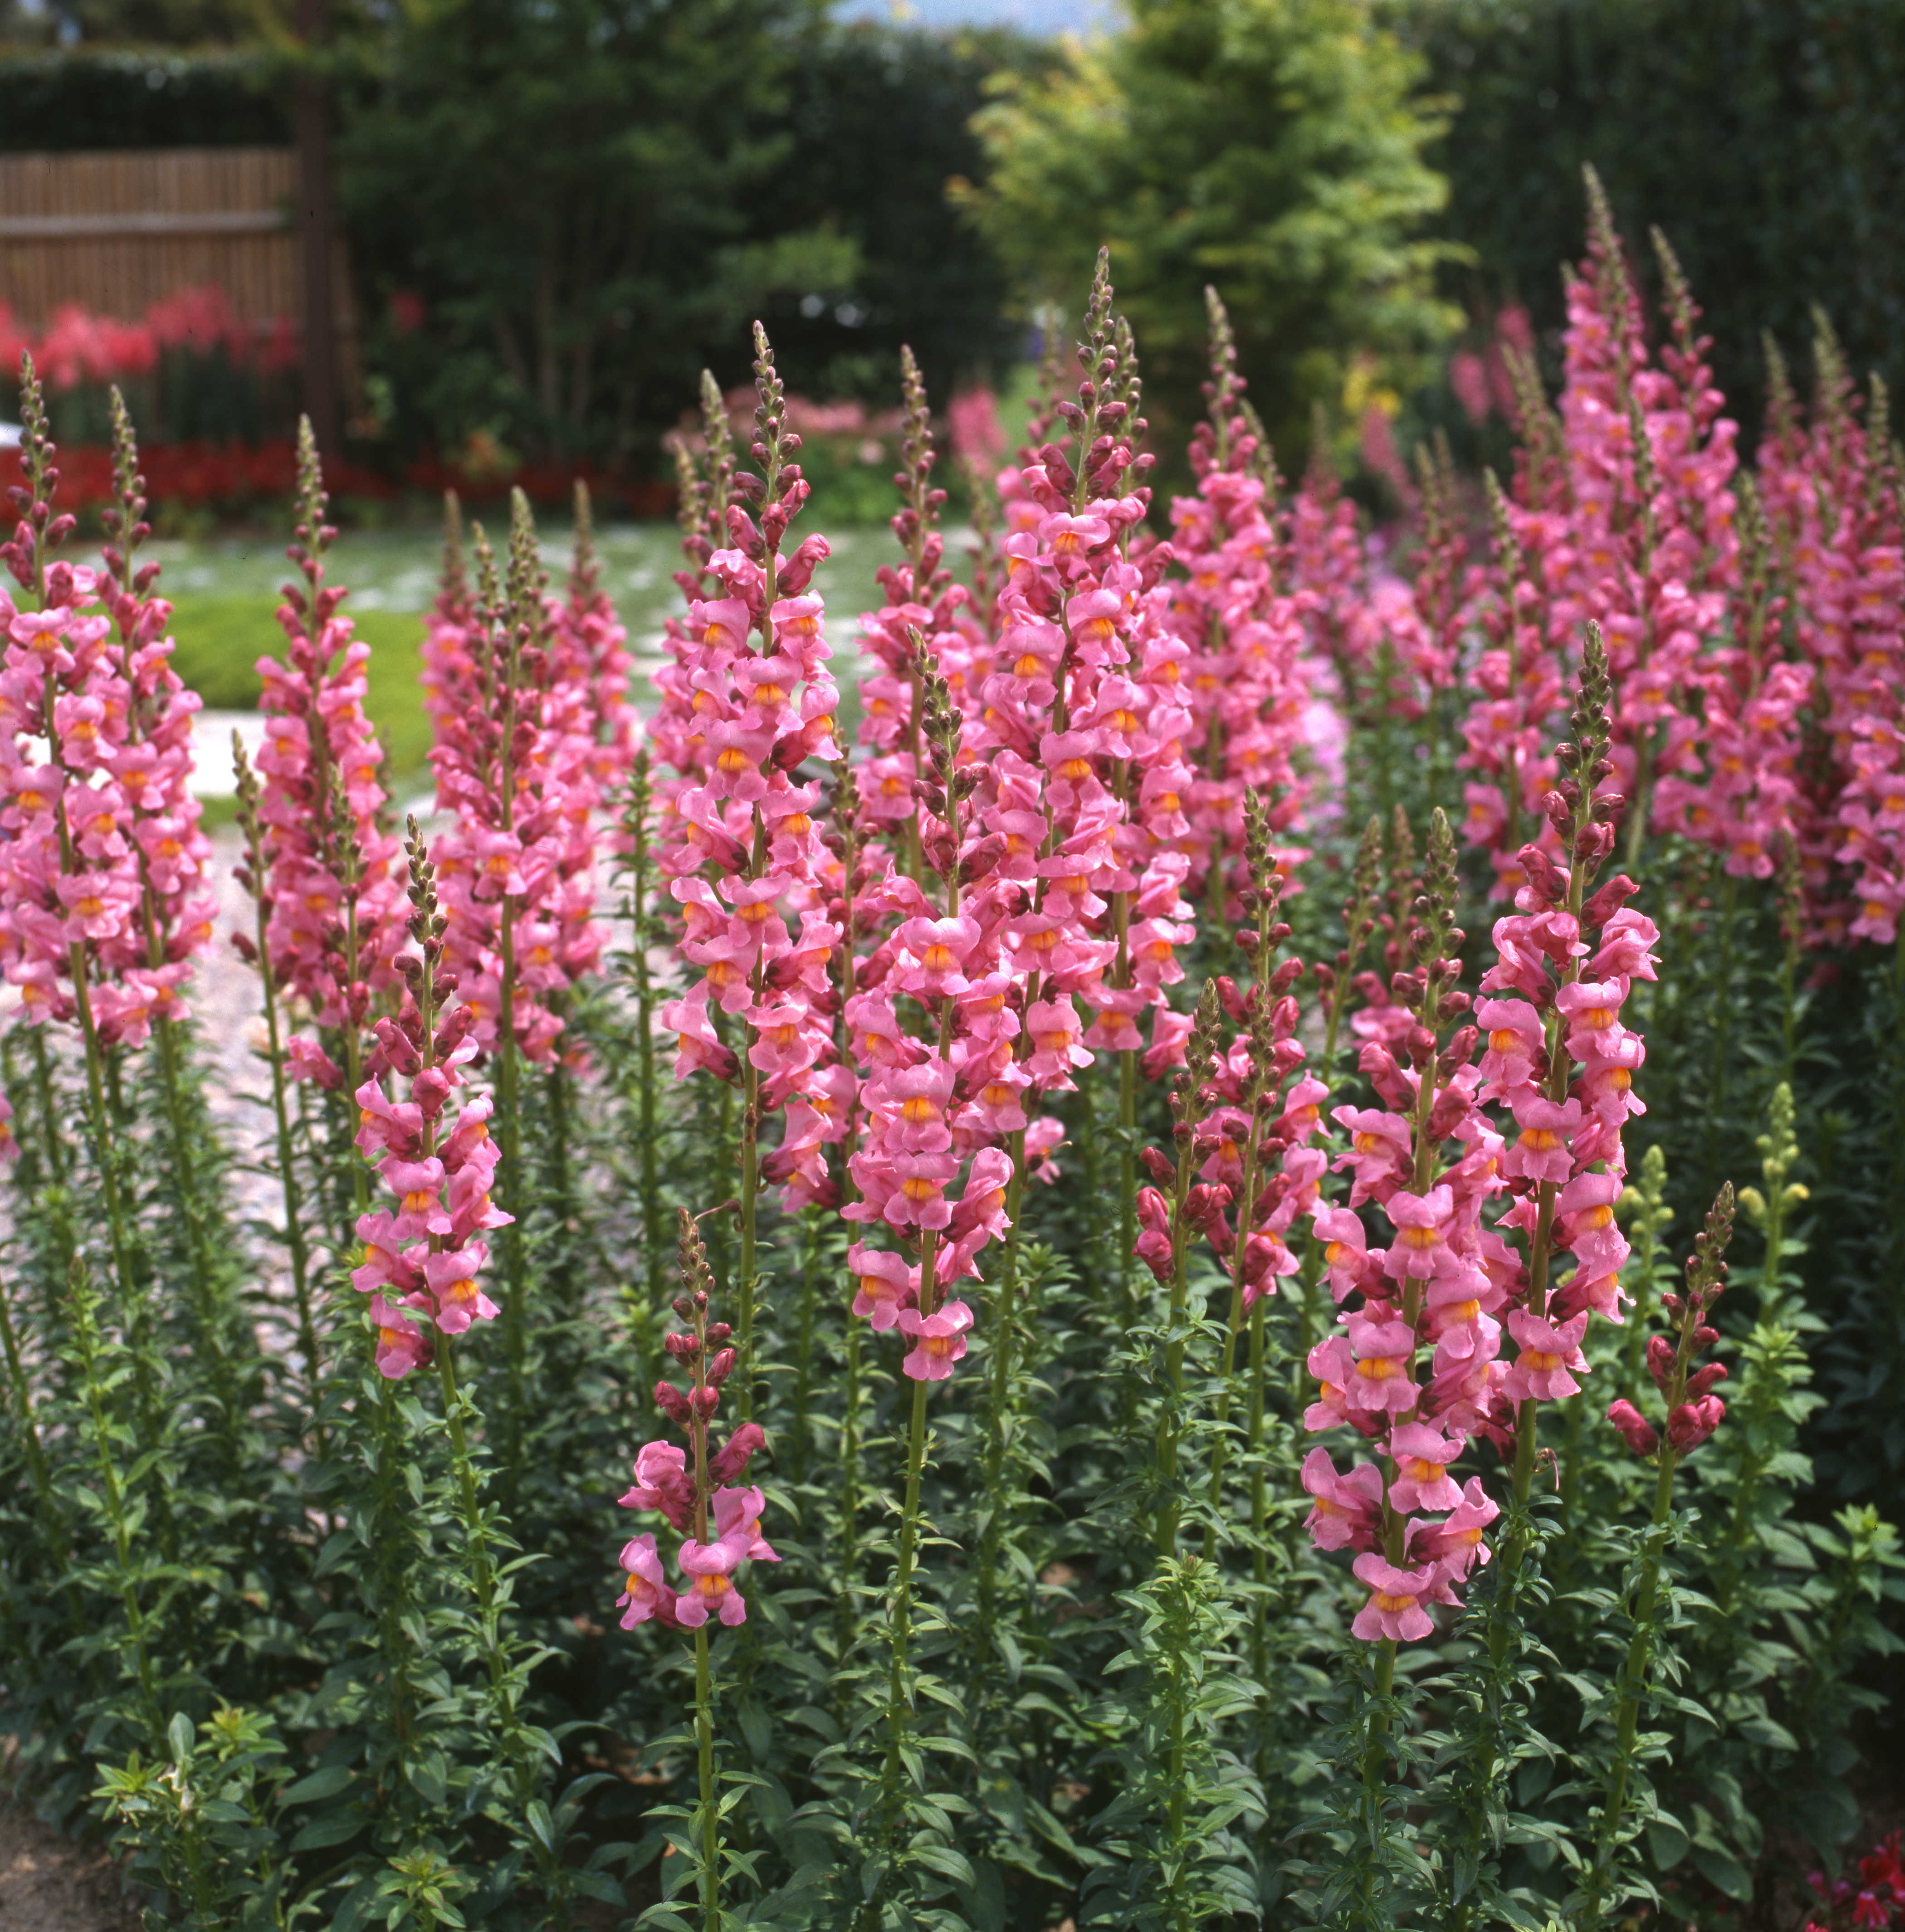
(694, 1489)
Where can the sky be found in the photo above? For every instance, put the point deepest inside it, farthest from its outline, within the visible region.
(1035, 16)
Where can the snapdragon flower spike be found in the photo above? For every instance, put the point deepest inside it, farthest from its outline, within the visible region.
(1628, 519)
(1813, 480)
(1168, 1222)
(514, 758)
(1506, 730)
(1566, 961)
(1366, 641)
(178, 906)
(941, 1085)
(1692, 1411)
(695, 1489)
(1439, 1283)
(334, 885)
(101, 875)
(924, 610)
(423, 1257)
(1244, 680)
(591, 664)
(1254, 1140)
(1074, 724)
(1852, 596)
(747, 701)
(1649, 461)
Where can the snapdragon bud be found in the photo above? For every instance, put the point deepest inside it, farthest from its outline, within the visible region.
(1660, 1360)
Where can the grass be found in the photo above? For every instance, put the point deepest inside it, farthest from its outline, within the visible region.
(224, 593)
(219, 640)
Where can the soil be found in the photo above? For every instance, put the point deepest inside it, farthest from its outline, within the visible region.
(49, 1884)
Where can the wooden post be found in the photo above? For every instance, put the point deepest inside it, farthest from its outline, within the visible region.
(317, 227)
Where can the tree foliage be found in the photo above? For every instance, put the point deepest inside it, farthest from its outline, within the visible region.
(1272, 147)
(1762, 135)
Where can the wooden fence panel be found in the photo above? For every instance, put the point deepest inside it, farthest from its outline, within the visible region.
(118, 231)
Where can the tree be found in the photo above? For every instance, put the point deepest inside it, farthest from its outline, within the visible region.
(547, 197)
(880, 119)
(1271, 147)
(1761, 135)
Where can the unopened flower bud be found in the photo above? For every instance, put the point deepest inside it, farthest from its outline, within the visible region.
(721, 1366)
(704, 1402)
(1703, 1379)
(731, 1463)
(1635, 1430)
(430, 1089)
(1693, 1422)
(1285, 977)
(1458, 1052)
(1660, 1360)
(672, 1402)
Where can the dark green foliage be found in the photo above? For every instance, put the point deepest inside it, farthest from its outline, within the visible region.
(878, 121)
(1762, 135)
(722, 161)
(62, 102)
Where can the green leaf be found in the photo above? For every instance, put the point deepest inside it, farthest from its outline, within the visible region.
(943, 1859)
(1765, 1731)
(541, 1824)
(325, 1783)
(1722, 1869)
(1666, 1841)
(332, 1830)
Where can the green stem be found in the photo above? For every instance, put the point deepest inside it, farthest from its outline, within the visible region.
(1175, 1806)
(1375, 1760)
(43, 1080)
(1723, 1009)
(998, 1420)
(1170, 1510)
(509, 1166)
(476, 1532)
(1127, 1187)
(205, 1294)
(744, 1285)
(36, 1455)
(294, 1221)
(1632, 1680)
(651, 1185)
(899, 1702)
(85, 1331)
(1259, 1504)
(710, 1819)
(137, 1311)
(803, 1342)
(1227, 1362)
(849, 1495)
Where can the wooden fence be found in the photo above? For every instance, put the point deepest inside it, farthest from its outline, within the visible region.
(117, 232)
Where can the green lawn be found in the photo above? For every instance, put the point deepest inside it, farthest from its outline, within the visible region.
(224, 592)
